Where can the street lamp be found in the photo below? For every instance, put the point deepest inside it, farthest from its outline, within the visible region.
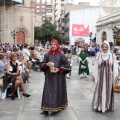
(67, 40)
(115, 30)
(14, 33)
(90, 35)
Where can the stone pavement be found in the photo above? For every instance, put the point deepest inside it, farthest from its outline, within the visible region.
(80, 93)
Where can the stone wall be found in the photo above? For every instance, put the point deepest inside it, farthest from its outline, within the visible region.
(18, 18)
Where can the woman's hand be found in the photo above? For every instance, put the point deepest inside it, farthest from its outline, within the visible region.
(83, 62)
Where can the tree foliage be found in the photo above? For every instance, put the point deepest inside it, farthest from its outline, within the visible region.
(47, 32)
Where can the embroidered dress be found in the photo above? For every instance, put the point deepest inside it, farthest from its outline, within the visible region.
(105, 72)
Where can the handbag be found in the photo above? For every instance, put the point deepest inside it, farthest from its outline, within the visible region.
(83, 67)
(1, 81)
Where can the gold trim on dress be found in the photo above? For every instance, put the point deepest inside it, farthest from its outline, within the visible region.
(66, 68)
(53, 109)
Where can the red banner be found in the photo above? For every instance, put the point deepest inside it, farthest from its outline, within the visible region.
(80, 30)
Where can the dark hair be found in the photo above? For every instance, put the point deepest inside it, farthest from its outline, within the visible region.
(25, 45)
(84, 48)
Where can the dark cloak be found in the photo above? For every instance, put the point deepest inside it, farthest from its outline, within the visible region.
(54, 93)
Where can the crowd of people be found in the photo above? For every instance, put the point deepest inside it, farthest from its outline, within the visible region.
(16, 64)
(18, 61)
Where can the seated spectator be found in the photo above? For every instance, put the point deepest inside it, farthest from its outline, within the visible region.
(2, 69)
(13, 76)
(26, 54)
(21, 65)
(40, 56)
(7, 56)
(32, 59)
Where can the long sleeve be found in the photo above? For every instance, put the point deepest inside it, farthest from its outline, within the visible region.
(95, 70)
(115, 67)
(43, 65)
(2, 69)
(65, 64)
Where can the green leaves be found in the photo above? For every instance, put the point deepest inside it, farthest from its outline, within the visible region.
(47, 32)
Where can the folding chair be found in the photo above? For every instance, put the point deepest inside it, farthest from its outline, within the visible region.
(3, 96)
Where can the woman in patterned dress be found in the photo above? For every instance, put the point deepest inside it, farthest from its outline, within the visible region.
(106, 70)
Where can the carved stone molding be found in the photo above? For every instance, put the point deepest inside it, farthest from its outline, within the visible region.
(21, 18)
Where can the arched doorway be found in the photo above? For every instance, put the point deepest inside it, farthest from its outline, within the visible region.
(20, 37)
(118, 38)
(104, 36)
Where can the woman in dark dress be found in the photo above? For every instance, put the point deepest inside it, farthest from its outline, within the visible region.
(14, 77)
(54, 94)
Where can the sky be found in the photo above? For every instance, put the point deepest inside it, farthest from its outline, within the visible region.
(18, 0)
(92, 2)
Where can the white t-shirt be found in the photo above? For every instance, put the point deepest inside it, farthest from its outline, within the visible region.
(26, 53)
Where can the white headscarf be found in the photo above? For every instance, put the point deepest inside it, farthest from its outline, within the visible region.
(106, 55)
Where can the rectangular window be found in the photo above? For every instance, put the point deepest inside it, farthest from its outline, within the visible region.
(42, 6)
(42, 11)
(37, 6)
(37, 10)
(43, 1)
(49, 11)
(38, 1)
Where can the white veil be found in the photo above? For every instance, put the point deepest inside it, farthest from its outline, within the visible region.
(106, 55)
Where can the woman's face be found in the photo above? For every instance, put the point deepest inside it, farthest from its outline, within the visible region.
(104, 48)
(83, 49)
(14, 58)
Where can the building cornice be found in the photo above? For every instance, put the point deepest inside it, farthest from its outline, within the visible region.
(8, 2)
(109, 19)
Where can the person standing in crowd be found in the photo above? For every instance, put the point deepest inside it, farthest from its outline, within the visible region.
(69, 48)
(26, 54)
(105, 72)
(69, 57)
(74, 50)
(89, 49)
(54, 96)
(83, 66)
(97, 49)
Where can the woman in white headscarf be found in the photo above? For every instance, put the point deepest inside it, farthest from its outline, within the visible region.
(104, 76)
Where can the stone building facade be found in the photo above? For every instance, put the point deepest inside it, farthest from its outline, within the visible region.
(105, 26)
(18, 19)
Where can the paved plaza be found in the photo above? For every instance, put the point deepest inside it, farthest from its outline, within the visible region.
(80, 93)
